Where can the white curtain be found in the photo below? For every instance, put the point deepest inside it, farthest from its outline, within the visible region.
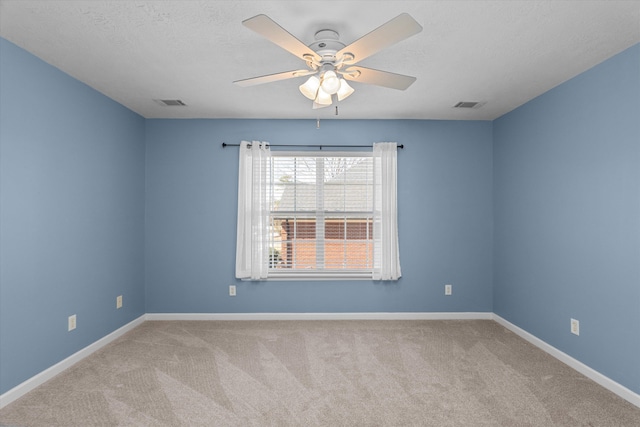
(386, 254)
(252, 248)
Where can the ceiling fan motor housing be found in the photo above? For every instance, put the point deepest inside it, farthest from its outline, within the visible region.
(327, 44)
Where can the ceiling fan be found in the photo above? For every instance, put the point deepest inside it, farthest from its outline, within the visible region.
(330, 63)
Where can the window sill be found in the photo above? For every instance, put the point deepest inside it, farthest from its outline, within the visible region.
(319, 276)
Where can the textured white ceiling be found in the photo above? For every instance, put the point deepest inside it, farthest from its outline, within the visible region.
(500, 53)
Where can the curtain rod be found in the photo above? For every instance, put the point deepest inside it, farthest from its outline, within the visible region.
(224, 144)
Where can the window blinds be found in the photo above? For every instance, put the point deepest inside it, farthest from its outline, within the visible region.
(321, 213)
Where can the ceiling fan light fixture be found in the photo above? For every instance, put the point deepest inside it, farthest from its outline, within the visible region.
(330, 82)
(345, 90)
(310, 87)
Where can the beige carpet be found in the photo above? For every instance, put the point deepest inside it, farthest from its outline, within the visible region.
(320, 373)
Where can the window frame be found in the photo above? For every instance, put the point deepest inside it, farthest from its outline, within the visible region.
(324, 274)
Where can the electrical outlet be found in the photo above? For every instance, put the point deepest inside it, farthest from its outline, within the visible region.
(232, 290)
(575, 327)
(72, 322)
(448, 289)
(119, 301)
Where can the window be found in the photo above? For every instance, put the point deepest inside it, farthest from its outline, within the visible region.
(321, 214)
(317, 215)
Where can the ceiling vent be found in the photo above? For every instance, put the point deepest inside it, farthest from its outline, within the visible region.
(467, 104)
(170, 102)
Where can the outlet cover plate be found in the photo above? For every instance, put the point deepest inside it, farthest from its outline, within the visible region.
(575, 327)
(72, 322)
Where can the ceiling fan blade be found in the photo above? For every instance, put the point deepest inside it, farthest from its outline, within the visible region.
(399, 28)
(378, 77)
(273, 77)
(269, 29)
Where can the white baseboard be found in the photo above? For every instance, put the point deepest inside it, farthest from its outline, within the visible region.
(321, 316)
(585, 370)
(33, 382)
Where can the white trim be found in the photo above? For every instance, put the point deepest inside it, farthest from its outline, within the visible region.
(321, 316)
(585, 370)
(38, 379)
(279, 275)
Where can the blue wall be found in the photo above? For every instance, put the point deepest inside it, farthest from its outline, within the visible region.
(71, 215)
(444, 204)
(567, 217)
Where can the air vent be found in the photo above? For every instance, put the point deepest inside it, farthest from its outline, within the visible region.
(170, 102)
(467, 104)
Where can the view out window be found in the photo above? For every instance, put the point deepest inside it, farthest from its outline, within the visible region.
(321, 214)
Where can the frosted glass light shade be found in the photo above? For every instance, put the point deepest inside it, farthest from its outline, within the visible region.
(322, 100)
(345, 90)
(330, 82)
(323, 97)
(316, 106)
(310, 87)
